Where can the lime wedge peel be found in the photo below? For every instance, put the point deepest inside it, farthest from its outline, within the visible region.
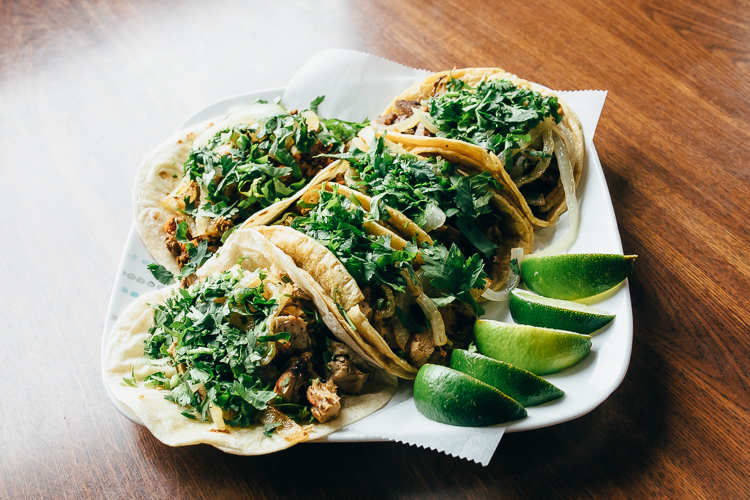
(528, 308)
(541, 351)
(451, 397)
(517, 383)
(575, 276)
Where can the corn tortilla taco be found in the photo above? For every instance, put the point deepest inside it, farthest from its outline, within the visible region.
(521, 132)
(404, 302)
(450, 202)
(247, 359)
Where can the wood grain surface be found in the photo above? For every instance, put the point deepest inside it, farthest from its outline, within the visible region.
(88, 88)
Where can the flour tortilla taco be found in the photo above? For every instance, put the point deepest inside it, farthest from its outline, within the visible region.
(521, 132)
(405, 302)
(247, 359)
(207, 180)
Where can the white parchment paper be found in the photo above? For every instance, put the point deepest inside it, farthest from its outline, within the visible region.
(359, 86)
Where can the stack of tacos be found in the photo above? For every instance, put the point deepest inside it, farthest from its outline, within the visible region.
(397, 233)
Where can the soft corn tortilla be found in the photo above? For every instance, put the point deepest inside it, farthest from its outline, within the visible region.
(124, 349)
(517, 231)
(555, 200)
(333, 277)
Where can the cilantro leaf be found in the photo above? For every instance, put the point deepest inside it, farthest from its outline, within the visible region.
(454, 275)
(161, 273)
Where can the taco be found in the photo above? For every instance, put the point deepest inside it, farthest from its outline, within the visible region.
(405, 302)
(205, 181)
(246, 359)
(521, 132)
(449, 202)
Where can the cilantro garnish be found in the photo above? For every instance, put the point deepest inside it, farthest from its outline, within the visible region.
(495, 115)
(161, 273)
(247, 167)
(337, 223)
(410, 184)
(216, 331)
(454, 275)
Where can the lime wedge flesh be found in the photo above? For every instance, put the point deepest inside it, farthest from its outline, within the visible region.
(531, 309)
(517, 383)
(451, 397)
(539, 350)
(575, 276)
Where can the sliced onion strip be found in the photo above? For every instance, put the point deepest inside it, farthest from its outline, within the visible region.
(288, 429)
(434, 317)
(542, 164)
(425, 120)
(569, 185)
(434, 217)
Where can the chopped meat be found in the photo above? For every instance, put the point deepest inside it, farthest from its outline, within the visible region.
(299, 293)
(297, 328)
(215, 230)
(175, 247)
(420, 348)
(345, 375)
(341, 349)
(388, 119)
(421, 131)
(187, 281)
(325, 402)
(440, 357)
(366, 309)
(386, 332)
(292, 382)
(459, 322)
(311, 163)
(402, 112)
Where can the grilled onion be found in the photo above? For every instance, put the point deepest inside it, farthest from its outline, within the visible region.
(288, 429)
(434, 317)
(569, 185)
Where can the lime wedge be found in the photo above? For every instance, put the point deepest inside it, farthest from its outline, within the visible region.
(454, 398)
(539, 350)
(531, 309)
(517, 383)
(575, 276)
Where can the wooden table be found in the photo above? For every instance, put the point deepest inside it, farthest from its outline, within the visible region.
(87, 88)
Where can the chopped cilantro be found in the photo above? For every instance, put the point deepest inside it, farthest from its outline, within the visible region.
(495, 115)
(454, 275)
(161, 273)
(411, 184)
(214, 330)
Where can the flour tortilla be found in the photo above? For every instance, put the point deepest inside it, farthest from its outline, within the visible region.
(555, 200)
(124, 349)
(162, 170)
